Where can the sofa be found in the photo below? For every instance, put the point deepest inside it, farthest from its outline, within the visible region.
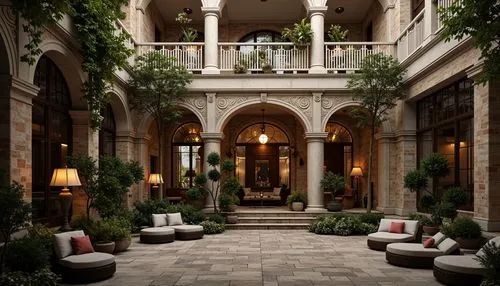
(416, 255)
(168, 227)
(273, 197)
(82, 268)
(380, 239)
(461, 270)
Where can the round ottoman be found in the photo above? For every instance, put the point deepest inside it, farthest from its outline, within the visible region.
(188, 232)
(157, 235)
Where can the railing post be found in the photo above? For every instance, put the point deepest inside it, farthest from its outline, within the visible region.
(430, 20)
(317, 16)
(211, 15)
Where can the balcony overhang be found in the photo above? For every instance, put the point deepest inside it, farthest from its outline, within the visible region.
(290, 83)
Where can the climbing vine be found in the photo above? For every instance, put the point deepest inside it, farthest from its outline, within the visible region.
(103, 49)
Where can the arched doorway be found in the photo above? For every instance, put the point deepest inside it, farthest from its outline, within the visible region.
(263, 166)
(187, 155)
(338, 150)
(52, 138)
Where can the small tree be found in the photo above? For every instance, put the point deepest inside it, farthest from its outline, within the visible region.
(88, 173)
(14, 212)
(481, 20)
(333, 183)
(378, 86)
(157, 84)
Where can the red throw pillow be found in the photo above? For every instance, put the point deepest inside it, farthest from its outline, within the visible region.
(428, 243)
(81, 245)
(397, 227)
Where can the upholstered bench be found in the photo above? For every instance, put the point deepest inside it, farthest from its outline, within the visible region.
(82, 268)
(380, 239)
(188, 232)
(162, 234)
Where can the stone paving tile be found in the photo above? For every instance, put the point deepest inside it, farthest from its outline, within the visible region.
(261, 258)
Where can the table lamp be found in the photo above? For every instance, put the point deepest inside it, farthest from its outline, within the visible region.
(65, 177)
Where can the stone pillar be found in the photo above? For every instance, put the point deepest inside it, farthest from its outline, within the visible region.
(141, 147)
(211, 55)
(385, 166)
(430, 20)
(124, 145)
(406, 160)
(317, 16)
(211, 143)
(15, 138)
(86, 142)
(315, 162)
(486, 155)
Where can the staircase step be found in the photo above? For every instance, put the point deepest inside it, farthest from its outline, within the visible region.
(274, 214)
(256, 226)
(279, 219)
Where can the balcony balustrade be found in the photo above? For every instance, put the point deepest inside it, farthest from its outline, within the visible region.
(189, 55)
(348, 56)
(412, 37)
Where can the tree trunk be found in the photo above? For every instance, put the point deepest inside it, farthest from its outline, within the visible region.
(370, 160)
(159, 127)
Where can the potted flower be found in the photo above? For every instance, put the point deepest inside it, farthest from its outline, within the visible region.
(101, 235)
(196, 197)
(297, 201)
(241, 67)
(335, 184)
(301, 34)
(189, 34)
(466, 232)
(121, 233)
(337, 34)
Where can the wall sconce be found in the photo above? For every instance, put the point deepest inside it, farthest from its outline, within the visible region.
(65, 177)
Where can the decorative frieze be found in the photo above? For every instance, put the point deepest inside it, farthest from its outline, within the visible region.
(198, 103)
(224, 104)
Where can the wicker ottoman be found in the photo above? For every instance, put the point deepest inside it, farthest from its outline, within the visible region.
(157, 235)
(458, 270)
(188, 232)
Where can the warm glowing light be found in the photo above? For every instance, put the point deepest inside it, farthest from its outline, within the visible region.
(65, 177)
(64, 145)
(263, 138)
(356, 172)
(155, 179)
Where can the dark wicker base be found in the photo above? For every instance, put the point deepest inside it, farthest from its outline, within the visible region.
(377, 245)
(88, 275)
(154, 239)
(456, 279)
(409, 261)
(189, 235)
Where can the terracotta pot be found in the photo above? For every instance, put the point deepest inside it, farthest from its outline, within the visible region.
(232, 219)
(469, 243)
(122, 245)
(431, 230)
(297, 206)
(106, 247)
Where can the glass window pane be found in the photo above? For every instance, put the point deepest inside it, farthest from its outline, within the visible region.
(446, 147)
(466, 162)
(240, 164)
(284, 165)
(181, 159)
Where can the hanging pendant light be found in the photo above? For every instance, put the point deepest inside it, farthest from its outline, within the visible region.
(263, 137)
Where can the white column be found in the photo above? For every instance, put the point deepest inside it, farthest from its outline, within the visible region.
(430, 20)
(315, 161)
(317, 16)
(211, 55)
(211, 143)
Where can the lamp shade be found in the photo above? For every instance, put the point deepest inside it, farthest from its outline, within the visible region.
(356, 172)
(155, 179)
(65, 177)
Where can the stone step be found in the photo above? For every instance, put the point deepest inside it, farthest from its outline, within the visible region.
(274, 214)
(270, 226)
(278, 219)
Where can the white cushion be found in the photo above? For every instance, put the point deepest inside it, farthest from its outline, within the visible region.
(159, 220)
(411, 226)
(438, 238)
(276, 191)
(185, 228)
(62, 242)
(390, 237)
(247, 191)
(87, 260)
(413, 249)
(174, 219)
(448, 245)
(460, 264)
(157, 230)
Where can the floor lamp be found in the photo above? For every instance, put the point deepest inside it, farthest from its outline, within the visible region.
(65, 177)
(356, 173)
(155, 180)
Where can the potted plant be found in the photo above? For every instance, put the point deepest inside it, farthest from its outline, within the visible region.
(466, 232)
(337, 34)
(196, 197)
(336, 185)
(415, 181)
(189, 34)
(241, 67)
(301, 34)
(296, 200)
(101, 235)
(121, 233)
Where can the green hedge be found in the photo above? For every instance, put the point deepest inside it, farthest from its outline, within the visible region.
(343, 224)
(211, 227)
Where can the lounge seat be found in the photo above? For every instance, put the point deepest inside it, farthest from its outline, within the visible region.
(462, 270)
(83, 268)
(162, 234)
(414, 255)
(380, 239)
(188, 232)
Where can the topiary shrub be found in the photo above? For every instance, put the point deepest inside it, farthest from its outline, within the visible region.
(42, 277)
(28, 254)
(371, 218)
(216, 218)
(296, 197)
(455, 196)
(211, 227)
(426, 202)
(195, 193)
(465, 228)
(435, 165)
(143, 210)
(422, 219)
(415, 180)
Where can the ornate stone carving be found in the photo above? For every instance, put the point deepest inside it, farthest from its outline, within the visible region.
(302, 102)
(224, 103)
(328, 102)
(199, 103)
(10, 20)
(210, 97)
(317, 97)
(263, 97)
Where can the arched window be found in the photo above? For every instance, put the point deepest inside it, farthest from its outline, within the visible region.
(52, 139)
(338, 150)
(263, 36)
(259, 165)
(187, 155)
(107, 133)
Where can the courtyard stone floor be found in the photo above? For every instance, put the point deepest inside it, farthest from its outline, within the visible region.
(261, 257)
